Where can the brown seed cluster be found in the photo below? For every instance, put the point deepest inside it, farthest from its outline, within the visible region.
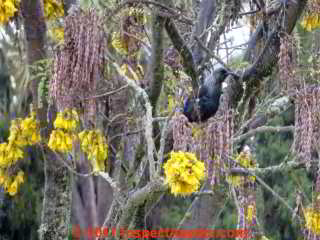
(212, 144)
(78, 62)
(218, 139)
(313, 6)
(182, 133)
(287, 63)
(307, 122)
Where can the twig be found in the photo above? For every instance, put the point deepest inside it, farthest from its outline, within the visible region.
(71, 169)
(107, 93)
(259, 180)
(263, 129)
(125, 134)
(208, 51)
(158, 4)
(164, 134)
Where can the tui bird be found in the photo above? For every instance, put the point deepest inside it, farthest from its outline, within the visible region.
(207, 102)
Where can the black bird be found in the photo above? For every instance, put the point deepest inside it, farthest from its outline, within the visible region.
(207, 102)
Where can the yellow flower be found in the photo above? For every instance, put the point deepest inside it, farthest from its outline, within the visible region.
(9, 154)
(2, 177)
(6, 183)
(246, 161)
(30, 130)
(312, 217)
(4, 161)
(9, 7)
(250, 213)
(25, 131)
(22, 132)
(57, 33)
(7, 10)
(119, 43)
(52, 9)
(14, 153)
(95, 145)
(311, 21)
(16, 134)
(139, 15)
(60, 141)
(68, 120)
(12, 190)
(183, 173)
(19, 178)
(171, 103)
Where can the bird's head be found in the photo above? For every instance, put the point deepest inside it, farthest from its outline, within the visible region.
(207, 102)
(221, 74)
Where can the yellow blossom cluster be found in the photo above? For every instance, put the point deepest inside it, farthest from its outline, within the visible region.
(118, 43)
(245, 160)
(312, 217)
(9, 184)
(311, 22)
(183, 173)
(138, 14)
(92, 142)
(95, 145)
(7, 9)
(23, 132)
(67, 120)
(57, 33)
(52, 9)
(60, 141)
(9, 154)
(251, 213)
(121, 42)
(66, 123)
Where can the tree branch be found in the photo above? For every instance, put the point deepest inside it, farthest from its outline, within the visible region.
(174, 14)
(137, 199)
(148, 118)
(156, 65)
(185, 52)
(263, 129)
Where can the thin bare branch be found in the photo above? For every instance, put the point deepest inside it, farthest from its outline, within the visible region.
(261, 130)
(148, 118)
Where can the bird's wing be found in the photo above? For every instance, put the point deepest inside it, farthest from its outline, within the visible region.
(203, 91)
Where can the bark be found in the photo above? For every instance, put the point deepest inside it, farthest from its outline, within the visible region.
(205, 18)
(35, 32)
(55, 220)
(185, 52)
(56, 212)
(156, 65)
(5, 91)
(137, 199)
